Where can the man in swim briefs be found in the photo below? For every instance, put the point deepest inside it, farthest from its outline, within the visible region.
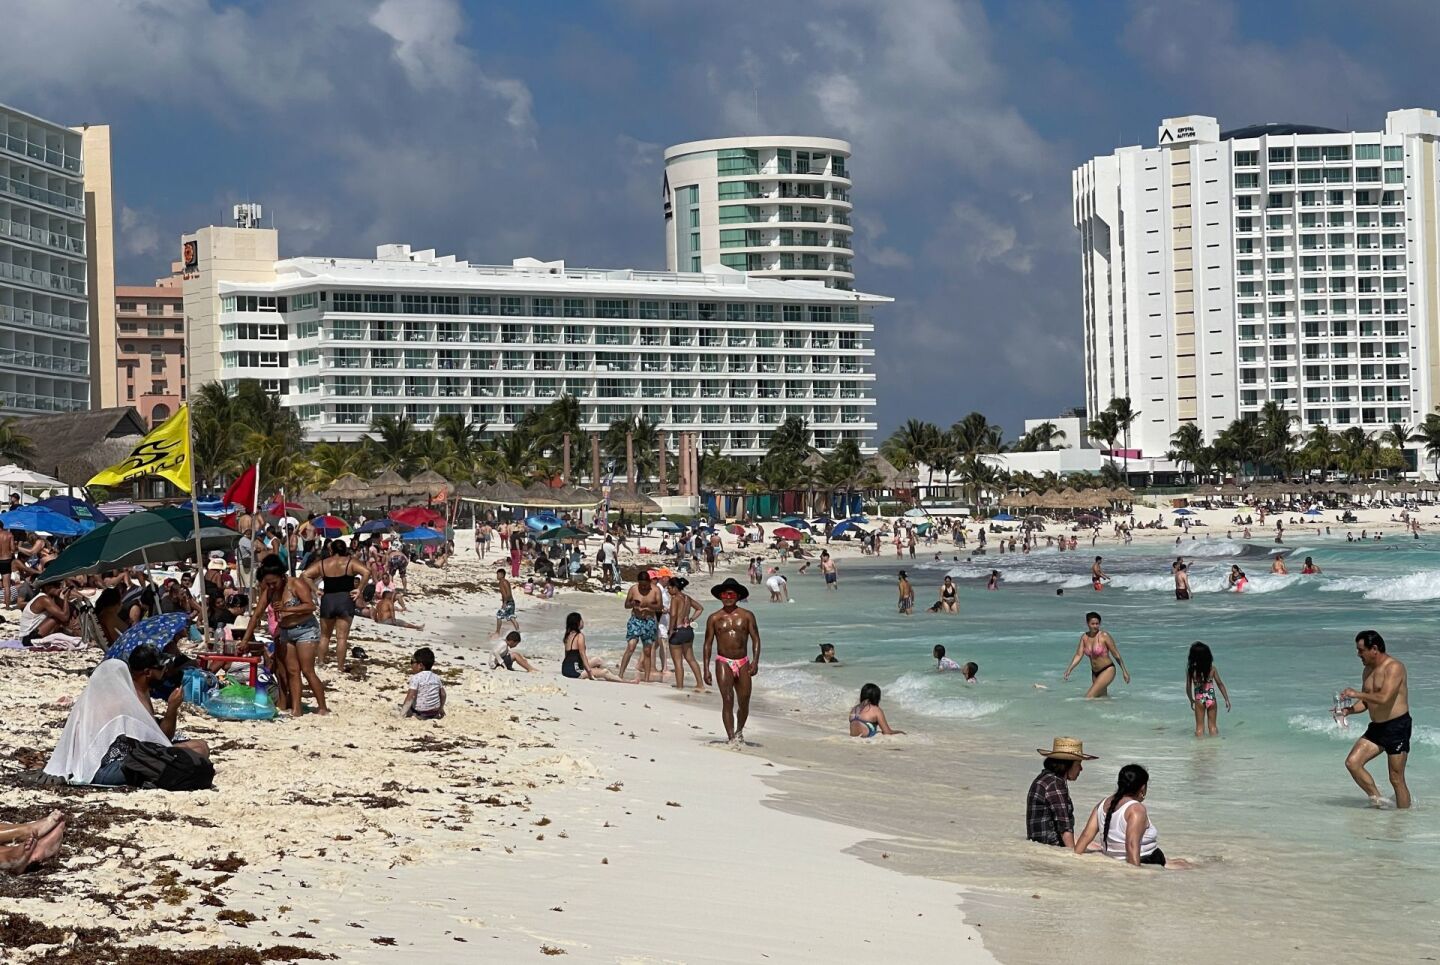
(1098, 579)
(1385, 693)
(643, 628)
(730, 629)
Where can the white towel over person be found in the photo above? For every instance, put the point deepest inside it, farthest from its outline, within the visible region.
(107, 708)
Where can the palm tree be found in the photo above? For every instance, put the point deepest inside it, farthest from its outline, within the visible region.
(646, 446)
(1041, 438)
(1277, 442)
(1355, 452)
(394, 448)
(1239, 443)
(1319, 449)
(331, 460)
(912, 444)
(1125, 417)
(1398, 436)
(1105, 428)
(1185, 445)
(974, 436)
(14, 444)
(976, 476)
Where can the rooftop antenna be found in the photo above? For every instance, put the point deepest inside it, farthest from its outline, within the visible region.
(248, 215)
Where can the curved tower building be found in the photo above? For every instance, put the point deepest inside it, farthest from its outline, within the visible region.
(776, 207)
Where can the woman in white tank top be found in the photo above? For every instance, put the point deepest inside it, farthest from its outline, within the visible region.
(1123, 825)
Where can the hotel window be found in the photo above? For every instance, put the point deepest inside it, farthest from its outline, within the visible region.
(737, 161)
(1394, 175)
(794, 313)
(482, 305)
(1278, 155)
(1394, 152)
(708, 311)
(575, 308)
(1367, 152)
(738, 190)
(737, 312)
(694, 241)
(1247, 180)
(1337, 175)
(1247, 159)
(733, 238)
(1279, 176)
(1367, 175)
(612, 308)
(765, 313)
(738, 262)
(375, 302)
(415, 304)
(445, 304)
(1334, 197)
(1337, 153)
(692, 193)
(738, 214)
(650, 310)
(695, 263)
(512, 305)
(1306, 154)
(302, 301)
(837, 167)
(1274, 201)
(1310, 175)
(542, 307)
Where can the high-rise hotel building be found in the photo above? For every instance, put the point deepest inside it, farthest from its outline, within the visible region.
(776, 207)
(44, 334)
(411, 334)
(1280, 262)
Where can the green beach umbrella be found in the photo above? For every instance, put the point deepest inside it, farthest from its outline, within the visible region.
(161, 535)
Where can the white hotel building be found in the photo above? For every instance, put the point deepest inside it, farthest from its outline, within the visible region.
(346, 340)
(1280, 263)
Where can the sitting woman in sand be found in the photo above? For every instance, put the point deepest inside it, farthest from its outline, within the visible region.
(383, 612)
(1123, 825)
(866, 717)
(22, 845)
(577, 662)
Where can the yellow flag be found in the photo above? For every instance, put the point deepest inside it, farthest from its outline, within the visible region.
(164, 452)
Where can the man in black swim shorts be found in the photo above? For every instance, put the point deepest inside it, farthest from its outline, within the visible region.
(1384, 692)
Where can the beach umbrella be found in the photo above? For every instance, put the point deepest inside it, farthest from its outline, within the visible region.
(916, 512)
(665, 526)
(431, 483)
(346, 486)
(417, 516)
(1003, 518)
(623, 497)
(13, 475)
(1313, 512)
(821, 520)
(422, 534)
(559, 532)
(390, 483)
(116, 508)
(161, 535)
(922, 528)
(796, 522)
(80, 509)
(1182, 511)
(330, 526)
(34, 519)
(844, 527)
(788, 532)
(383, 526)
(738, 530)
(156, 631)
(282, 508)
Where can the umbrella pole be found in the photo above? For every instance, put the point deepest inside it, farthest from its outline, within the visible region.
(195, 520)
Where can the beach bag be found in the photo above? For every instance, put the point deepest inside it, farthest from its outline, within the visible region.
(150, 765)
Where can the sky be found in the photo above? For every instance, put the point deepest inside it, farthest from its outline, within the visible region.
(498, 130)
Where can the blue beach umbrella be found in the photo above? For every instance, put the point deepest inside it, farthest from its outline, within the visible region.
(79, 509)
(383, 526)
(665, 526)
(422, 534)
(156, 631)
(34, 519)
(1313, 512)
(1003, 518)
(796, 521)
(1182, 511)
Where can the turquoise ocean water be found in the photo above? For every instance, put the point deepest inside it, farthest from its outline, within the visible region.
(1294, 865)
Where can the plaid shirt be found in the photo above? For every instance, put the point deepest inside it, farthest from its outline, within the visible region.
(1048, 811)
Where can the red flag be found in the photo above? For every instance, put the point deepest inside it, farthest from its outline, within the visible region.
(242, 490)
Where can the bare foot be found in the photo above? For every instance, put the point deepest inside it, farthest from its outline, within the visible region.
(701, 690)
(15, 858)
(49, 844)
(322, 711)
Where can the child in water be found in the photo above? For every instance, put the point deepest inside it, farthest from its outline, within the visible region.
(1202, 677)
(942, 662)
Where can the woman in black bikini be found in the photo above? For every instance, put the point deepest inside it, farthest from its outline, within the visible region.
(342, 595)
(949, 599)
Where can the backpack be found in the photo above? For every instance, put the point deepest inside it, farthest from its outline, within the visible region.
(150, 765)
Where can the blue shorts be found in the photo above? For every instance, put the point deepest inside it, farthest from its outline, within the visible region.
(506, 612)
(307, 632)
(638, 628)
(829, 577)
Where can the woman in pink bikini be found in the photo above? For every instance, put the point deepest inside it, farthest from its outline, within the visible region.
(1100, 647)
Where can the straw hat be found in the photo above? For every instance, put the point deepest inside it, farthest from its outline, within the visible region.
(1067, 749)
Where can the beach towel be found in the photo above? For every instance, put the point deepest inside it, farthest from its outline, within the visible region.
(106, 709)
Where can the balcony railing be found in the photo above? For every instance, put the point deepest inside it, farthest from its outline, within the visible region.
(30, 192)
(49, 363)
(56, 323)
(32, 151)
(43, 279)
(40, 236)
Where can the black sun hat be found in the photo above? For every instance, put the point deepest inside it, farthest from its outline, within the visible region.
(730, 584)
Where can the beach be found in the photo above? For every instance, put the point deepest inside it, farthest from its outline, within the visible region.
(607, 822)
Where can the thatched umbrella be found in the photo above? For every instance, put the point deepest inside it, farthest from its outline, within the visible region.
(466, 490)
(573, 497)
(501, 493)
(347, 486)
(429, 483)
(390, 483)
(631, 501)
(890, 477)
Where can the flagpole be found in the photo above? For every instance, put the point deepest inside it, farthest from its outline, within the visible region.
(195, 520)
(254, 557)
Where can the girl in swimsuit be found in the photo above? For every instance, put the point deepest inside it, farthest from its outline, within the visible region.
(866, 717)
(1201, 679)
(1237, 579)
(297, 634)
(1104, 655)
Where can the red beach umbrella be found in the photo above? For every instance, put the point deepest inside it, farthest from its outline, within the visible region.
(789, 532)
(418, 516)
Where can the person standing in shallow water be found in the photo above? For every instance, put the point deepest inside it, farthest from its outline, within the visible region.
(730, 630)
(1099, 646)
(1385, 693)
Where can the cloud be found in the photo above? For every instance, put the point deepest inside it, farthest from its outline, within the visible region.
(137, 234)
